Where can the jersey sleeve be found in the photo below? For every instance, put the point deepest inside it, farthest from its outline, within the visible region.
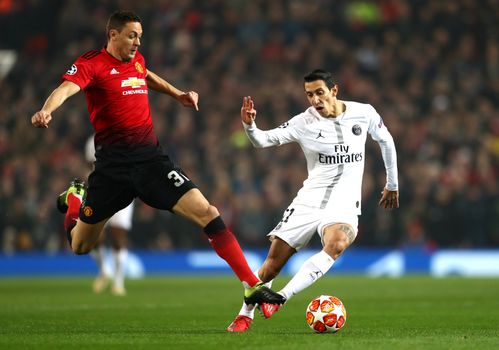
(81, 72)
(377, 128)
(380, 133)
(285, 133)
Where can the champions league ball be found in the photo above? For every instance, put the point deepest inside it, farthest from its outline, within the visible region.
(326, 314)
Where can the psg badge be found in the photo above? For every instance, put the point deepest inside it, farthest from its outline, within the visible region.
(356, 129)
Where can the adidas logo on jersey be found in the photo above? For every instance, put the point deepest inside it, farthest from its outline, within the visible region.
(114, 71)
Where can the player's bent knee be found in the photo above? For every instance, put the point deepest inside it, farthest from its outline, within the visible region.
(85, 237)
(341, 246)
(81, 249)
(212, 212)
(205, 216)
(336, 248)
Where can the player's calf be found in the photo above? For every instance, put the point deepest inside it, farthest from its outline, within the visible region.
(69, 202)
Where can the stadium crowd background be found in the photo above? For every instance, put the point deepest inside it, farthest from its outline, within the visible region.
(431, 68)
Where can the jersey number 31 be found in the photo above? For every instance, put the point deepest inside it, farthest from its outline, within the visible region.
(178, 178)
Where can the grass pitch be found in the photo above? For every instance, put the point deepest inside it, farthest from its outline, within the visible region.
(193, 313)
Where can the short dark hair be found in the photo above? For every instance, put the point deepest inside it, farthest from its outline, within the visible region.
(320, 74)
(119, 19)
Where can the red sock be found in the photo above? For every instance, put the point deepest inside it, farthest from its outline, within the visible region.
(74, 204)
(227, 247)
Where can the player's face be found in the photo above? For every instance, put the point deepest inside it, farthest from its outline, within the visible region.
(127, 41)
(321, 97)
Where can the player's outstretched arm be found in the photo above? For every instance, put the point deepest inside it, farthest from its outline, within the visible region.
(187, 99)
(262, 138)
(248, 111)
(42, 118)
(390, 194)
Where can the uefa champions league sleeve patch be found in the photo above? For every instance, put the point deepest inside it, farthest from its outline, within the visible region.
(380, 124)
(72, 70)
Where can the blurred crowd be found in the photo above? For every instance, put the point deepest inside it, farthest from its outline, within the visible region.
(430, 68)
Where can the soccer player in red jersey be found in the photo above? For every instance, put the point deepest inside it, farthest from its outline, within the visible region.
(129, 161)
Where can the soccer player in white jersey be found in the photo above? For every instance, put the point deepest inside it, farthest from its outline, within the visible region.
(117, 228)
(332, 134)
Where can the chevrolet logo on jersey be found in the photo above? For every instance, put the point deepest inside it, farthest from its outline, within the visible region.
(133, 82)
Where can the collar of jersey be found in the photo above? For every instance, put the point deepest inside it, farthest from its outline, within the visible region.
(318, 115)
(114, 60)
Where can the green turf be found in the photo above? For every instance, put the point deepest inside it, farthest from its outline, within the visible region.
(193, 312)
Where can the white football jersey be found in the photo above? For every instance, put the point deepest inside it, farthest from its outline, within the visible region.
(335, 152)
(90, 150)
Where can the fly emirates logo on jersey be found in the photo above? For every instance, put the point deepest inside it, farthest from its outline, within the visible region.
(342, 156)
(136, 84)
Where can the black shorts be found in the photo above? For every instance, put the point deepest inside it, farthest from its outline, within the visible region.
(121, 174)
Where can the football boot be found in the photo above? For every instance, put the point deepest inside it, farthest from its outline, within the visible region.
(77, 187)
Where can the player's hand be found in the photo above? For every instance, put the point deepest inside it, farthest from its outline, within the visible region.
(389, 199)
(248, 112)
(41, 119)
(190, 99)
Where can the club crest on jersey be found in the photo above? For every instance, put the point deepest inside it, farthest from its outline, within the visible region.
(133, 82)
(356, 129)
(139, 67)
(72, 70)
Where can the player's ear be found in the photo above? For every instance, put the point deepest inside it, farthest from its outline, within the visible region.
(113, 33)
(334, 90)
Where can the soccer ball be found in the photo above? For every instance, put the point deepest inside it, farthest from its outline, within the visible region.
(326, 314)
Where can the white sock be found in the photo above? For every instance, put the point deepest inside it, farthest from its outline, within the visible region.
(98, 255)
(119, 257)
(249, 310)
(311, 270)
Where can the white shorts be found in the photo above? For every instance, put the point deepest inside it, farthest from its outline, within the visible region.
(122, 219)
(299, 223)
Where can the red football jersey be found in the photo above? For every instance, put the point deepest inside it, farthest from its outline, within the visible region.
(117, 98)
